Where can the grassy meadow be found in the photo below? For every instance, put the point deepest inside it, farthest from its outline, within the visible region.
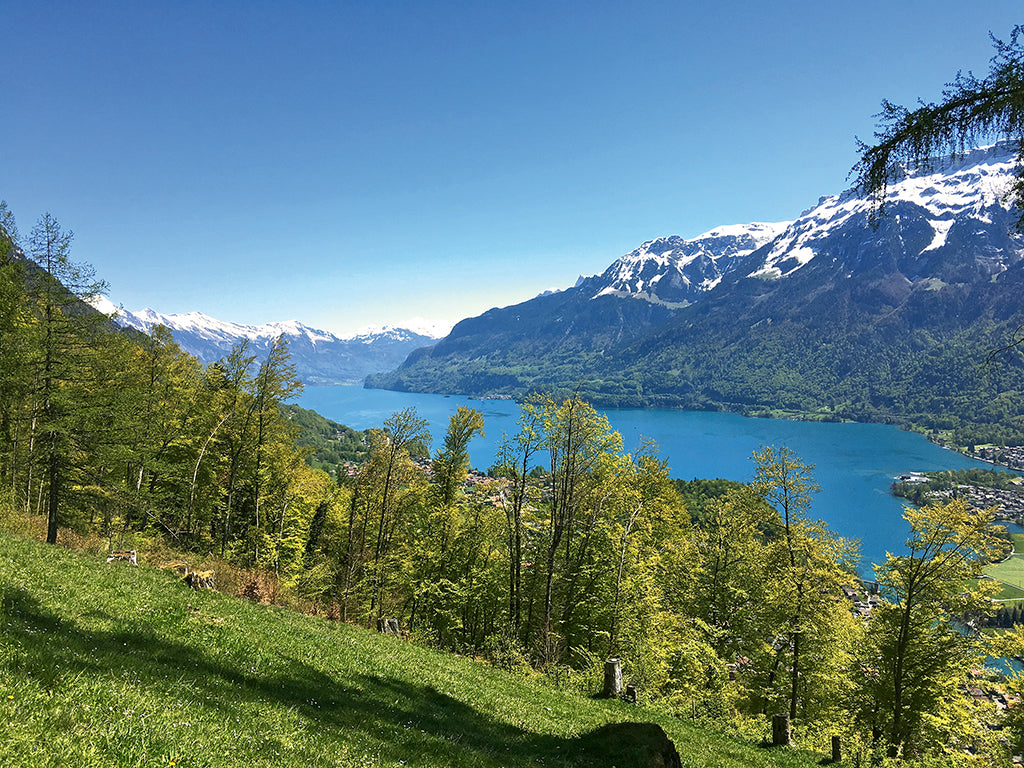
(1010, 572)
(114, 665)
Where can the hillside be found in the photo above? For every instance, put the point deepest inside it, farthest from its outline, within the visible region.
(109, 664)
(833, 314)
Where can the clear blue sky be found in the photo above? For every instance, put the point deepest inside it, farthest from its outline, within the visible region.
(354, 163)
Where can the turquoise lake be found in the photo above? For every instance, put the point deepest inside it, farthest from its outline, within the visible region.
(854, 463)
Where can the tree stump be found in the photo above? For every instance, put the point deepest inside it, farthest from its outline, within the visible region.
(612, 678)
(199, 579)
(780, 731)
(630, 693)
(389, 627)
(837, 749)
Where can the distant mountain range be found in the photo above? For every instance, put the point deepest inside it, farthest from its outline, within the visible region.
(319, 357)
(832, 313)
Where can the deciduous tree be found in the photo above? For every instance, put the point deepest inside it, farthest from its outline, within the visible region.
(921, 642)
(809, 563)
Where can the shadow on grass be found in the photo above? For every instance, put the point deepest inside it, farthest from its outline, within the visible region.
(412, 723)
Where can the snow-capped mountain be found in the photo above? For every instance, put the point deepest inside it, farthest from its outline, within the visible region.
(319, 357)
(943, 202)
(839, 311)
(676, 271)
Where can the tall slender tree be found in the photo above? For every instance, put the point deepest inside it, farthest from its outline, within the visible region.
(810, 563)
(451, 463)
(576, 438)
(15, 317)
(514, 463)
(60, 293)
(275, 383)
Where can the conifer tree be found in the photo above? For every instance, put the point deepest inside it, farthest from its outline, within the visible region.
(971, 109)
(14, 350)
(60, 292)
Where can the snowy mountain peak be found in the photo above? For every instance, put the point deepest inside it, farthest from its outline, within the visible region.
(672, 270)
(941, 192)
(212, 329)
(416, 326)
(320, 357)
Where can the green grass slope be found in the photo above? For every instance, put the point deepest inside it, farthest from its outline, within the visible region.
(113, 665)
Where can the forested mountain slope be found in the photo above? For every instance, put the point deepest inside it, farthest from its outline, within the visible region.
(836, 313)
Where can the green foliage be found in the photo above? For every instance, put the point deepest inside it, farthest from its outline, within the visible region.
(120, 434)
(327, 442)
(699, 494)
(451, 463)
(721, 599)
(914, 659)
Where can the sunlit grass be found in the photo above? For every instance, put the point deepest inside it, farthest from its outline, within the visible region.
(1010, 572)
(112, 665)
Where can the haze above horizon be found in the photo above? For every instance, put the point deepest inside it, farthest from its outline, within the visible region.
(357, 164)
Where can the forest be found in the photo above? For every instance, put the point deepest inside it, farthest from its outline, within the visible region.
(727, 602)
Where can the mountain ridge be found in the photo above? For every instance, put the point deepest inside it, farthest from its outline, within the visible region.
(319, 357)
(840, 314)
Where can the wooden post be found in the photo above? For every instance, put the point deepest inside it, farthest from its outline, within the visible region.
(780, 730)
(837, 750)
(612, 678)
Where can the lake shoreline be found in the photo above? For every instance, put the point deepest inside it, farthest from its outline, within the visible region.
(855, 462)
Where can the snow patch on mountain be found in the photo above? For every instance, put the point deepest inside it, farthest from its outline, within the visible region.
(103, 305)
(945, 190)
(319, 357)
(209, 328)
(671, 269)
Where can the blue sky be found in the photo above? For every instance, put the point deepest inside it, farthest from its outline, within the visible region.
(356, 163)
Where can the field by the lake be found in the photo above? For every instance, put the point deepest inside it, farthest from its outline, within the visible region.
(1010, 572)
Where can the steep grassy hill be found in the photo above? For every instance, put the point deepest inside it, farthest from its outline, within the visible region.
(108, 664)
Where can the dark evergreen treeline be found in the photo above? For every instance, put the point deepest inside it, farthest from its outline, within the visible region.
(722, 599)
